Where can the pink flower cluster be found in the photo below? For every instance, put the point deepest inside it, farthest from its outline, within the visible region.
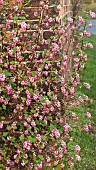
(38, 88)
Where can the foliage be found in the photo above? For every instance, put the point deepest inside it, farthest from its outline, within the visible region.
(37, 89)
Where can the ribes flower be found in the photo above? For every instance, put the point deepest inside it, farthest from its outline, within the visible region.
(92, 14)
(1, 2)
(59, 7)
(23, 25)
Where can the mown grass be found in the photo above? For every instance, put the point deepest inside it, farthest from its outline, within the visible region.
(88, 7)
(87, 141)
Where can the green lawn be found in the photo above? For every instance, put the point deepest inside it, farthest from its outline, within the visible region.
(87, 141)
(88, 7)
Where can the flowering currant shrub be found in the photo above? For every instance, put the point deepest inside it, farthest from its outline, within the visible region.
(37, 89)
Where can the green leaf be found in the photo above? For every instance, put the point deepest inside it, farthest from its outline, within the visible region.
(25, 161)
(43, 124)
(51, 97)
(13, 139)
(4, 106)
(9, 127)
(12, 62)
(29, 137)
(32, 139)
(51, 126)
(2, 117)
(43, 137)
(53, 5)
(41, 157)
(2, 166)
(15, 18)
(5, 134)
(21, 89)
(15, 127)
(21, 137)
(22, 18)
(14, 48)
(7, 73)
(21, 71)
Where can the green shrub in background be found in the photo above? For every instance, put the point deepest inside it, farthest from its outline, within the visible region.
(87, 1)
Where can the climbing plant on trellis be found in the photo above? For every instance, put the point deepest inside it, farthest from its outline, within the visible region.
(35, 93)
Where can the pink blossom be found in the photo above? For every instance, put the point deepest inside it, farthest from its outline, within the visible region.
(90, 24)
(19, 1)
(57, 19)
(33, 123)
(41, 3)
(26, 132)
(35, 96)
(72, 28)
(70, 20)
(32, 79)
(71, 164)
(56, 133)
(48, 102)
(1, 124)
(78, 158)
(35, 14)
(81, 20)
(18, 151)
(15, 39)
(1, 2)
(23, 25)
(47, 24)
(76, 60)
(66, 127)
(9, 89)
(59, 7)
(56, 162)
(25, 124)
(52, 109)
(63, 90)
(77, 148)
(23, 163)
(2, 77)
(15, 156)
(90, 45)
(62, 165)
(88, 115)
(28, 102)
(73, 115)
(38, 137)
(25, 156)
(63, 144)
(15, 8)
(14, 97)
(72, 90)
(46, 7)
(50, 19)
(7, 168)
(57, 104)
(87, 85)
(92, 14)
(86, 98)
(48, 159)
(86, 128)
(62, 80)
(1, 158)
